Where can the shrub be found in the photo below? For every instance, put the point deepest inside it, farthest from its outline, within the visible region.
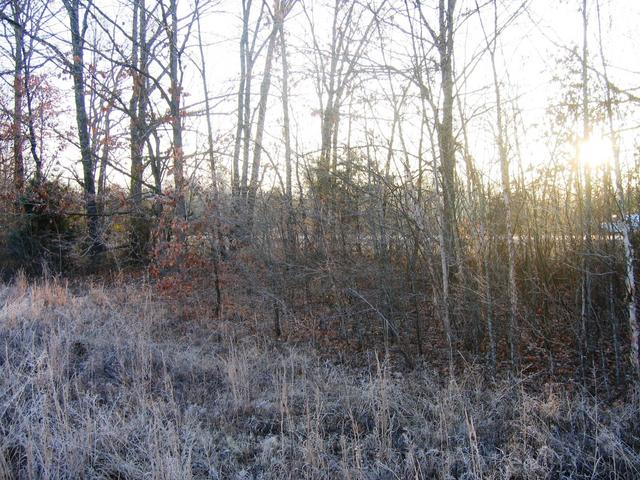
(42, 233)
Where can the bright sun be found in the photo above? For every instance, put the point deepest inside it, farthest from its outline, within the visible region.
(595, 151)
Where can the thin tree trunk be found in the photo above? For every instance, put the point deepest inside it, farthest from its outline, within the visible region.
(445, 307)
(477, 194)
(446, 138)
(77, 68)
(512, 287)
(207, 106)
(262, 115)
(244, 45)
(22, 92)
(176, 117)
(18, 95)
(506, 198)
(33, 142)
(246, 127)
(137, 108)
(104, 158)
(214, 180)
(586, 306)
(629, 251)
(291, 243)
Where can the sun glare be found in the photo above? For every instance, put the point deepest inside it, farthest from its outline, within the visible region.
(595, 151)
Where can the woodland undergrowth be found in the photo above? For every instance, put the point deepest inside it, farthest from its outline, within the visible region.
(105, 382)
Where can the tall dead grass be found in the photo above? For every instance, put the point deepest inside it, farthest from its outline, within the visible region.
(99, 383)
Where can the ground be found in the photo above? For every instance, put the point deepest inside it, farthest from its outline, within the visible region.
(100, 382)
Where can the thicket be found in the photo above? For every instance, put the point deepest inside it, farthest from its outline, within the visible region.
(412, 223)
(104, 383)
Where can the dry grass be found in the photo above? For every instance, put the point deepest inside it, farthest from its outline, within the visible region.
(103, 384)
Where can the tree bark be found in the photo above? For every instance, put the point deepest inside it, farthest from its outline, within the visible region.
(177, 151)
(446, 140)
(623, 208)
(262, 114)
(77, 68)
(244, 46)
(501, 140)
(586, 315)
(207, 108)
(286, 131)
(18, 95)
(137, 103)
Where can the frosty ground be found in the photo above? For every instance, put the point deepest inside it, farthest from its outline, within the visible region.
(100, 382)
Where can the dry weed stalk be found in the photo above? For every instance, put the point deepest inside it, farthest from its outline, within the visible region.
(98, 385)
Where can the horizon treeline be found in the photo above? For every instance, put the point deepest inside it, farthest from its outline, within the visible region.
(361, 174)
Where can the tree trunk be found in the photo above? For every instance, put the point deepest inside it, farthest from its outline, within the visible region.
(446, 140)
(244, 46)
(586, 304)
(18, 95)
(137, 103)
(629, 250)
(262, 115)
(290, 240)
(104, 158)
(177, 151)
(207, 107)
(77, 68)
(512, 289)
(501, 140)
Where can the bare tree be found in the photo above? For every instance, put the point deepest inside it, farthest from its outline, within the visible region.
(586, 310)
(18, 93)
(78, 25)
(335, 71)
(281, 9)
(503, 153)
(286, 132)
(139, 93)
(170, 22)
(625, 219)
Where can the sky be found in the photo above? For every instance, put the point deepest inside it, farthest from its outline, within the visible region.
(531, 52)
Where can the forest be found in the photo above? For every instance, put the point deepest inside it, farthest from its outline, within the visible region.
(360, 239)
